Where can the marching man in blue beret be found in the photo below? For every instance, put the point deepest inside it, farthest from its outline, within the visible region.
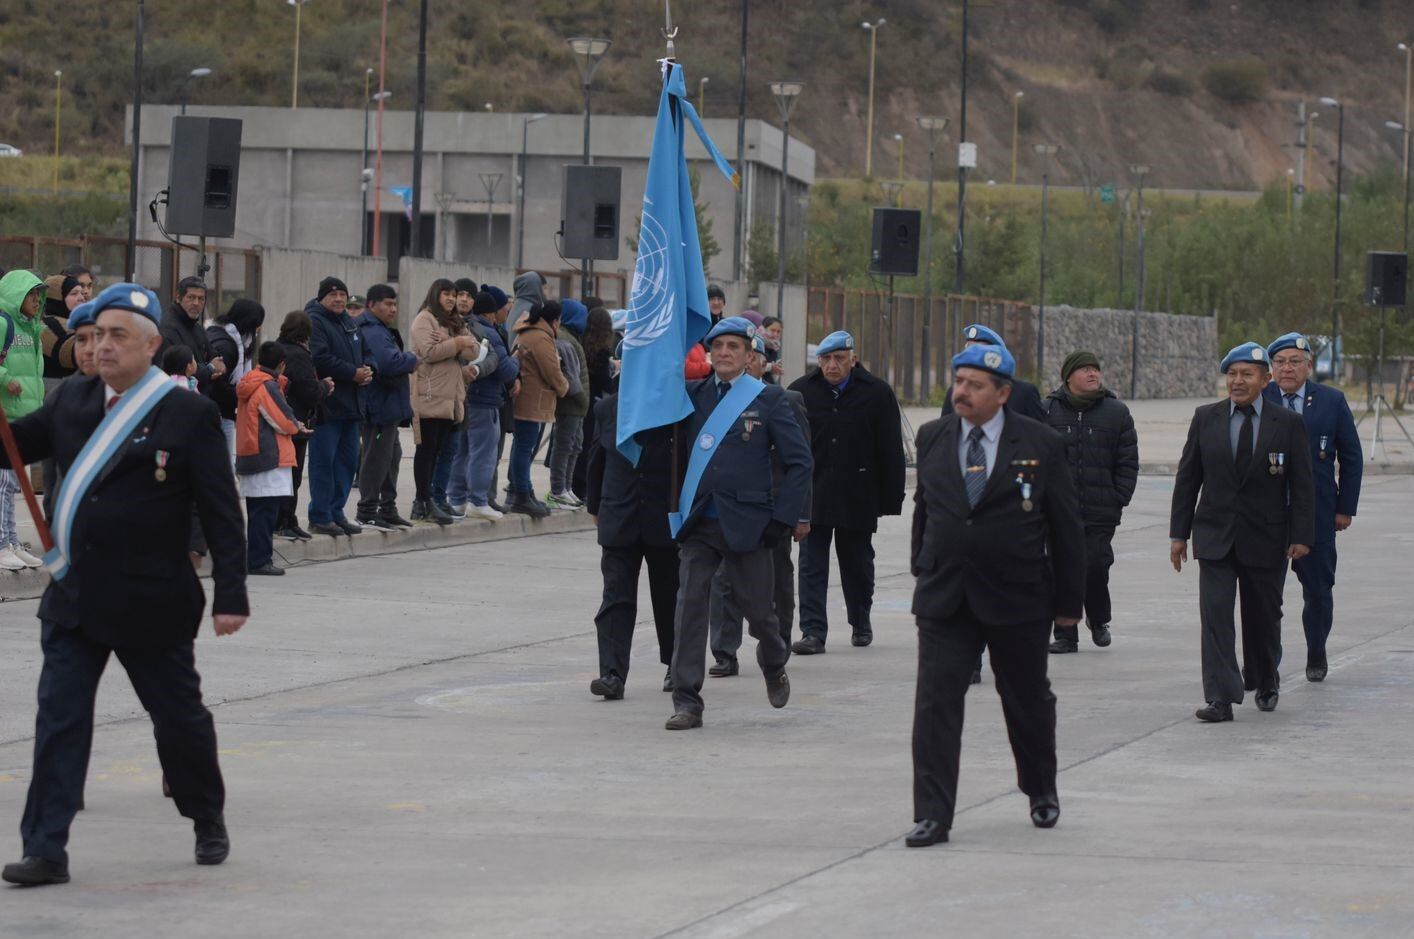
(1243, 493)
(1331, 429)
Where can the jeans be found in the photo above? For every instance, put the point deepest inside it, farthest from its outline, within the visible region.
(333, 461)
(453, 451)
(480, 439)
(565, 443)
(523, 444)
(260, 515)
(9, 487)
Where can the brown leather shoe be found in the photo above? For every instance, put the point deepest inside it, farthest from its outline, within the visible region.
(778, 690)
(684, 720)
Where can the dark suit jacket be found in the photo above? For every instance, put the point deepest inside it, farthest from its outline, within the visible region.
(738, 478)
(858, 450)
(130, 582)
(1327, 417)
(1010, 565)
(631, 503)
(1258, 515)
(1025, 400)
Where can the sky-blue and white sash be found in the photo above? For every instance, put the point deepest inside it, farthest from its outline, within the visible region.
(134, 405)
(745, 390)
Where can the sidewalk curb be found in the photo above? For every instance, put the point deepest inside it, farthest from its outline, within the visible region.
(30, 584)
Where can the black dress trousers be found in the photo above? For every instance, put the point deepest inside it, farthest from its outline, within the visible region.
(947, 653)
(618, 611)
(855, 550)
(167, 684)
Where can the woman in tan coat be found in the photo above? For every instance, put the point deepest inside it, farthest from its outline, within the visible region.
(441, 343)
(542, 384)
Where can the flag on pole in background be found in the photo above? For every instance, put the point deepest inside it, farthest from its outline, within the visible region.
(404, 193)
(667, 307)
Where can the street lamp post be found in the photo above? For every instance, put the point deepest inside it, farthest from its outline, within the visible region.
(1408, 50)
(364, 172)
(489, 182)
(933, 126)
(786, 93)
(520, 187)
(960, 243)
(1138, 171)
(1015, 129)
(418, 119)
(898, 142)
(1335, 278)
(378, 157)
(294, 80)
(702, 96)
(186, 80)
(873, 29)
(1404, 129)
(1046, 151)
(588, 53)
(58, 107)
(130, 254)
(892, 188)
(739, 223)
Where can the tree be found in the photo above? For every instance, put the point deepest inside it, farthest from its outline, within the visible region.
(706, 241)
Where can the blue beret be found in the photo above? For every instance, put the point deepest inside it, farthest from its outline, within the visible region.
(834, 342)
(731, 326)
(979, 333)
(1289, 341)
(132, 297)
(758, 345)
(1247, 352)
(995, 359)
(83, 315)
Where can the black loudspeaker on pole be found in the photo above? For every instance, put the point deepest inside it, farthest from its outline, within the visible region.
(895, 244)
(202, 176)
(589, 212)
(1386, 277)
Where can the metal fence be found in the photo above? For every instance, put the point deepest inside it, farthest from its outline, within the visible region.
(909, 346)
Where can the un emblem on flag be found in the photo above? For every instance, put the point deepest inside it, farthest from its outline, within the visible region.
(650, 303)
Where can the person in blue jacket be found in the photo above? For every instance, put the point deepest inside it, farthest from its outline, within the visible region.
(1331, 429)
(471, 484)
(337, 350)
(388, 402)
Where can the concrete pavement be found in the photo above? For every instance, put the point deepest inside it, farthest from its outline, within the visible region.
(410, 749)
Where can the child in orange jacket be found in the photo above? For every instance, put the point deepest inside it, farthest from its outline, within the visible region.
(265, 453)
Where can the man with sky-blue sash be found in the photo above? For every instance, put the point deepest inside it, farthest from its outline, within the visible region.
(728, 517)
(136, 454)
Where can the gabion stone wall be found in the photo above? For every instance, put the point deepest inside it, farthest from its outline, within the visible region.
(1178, 355)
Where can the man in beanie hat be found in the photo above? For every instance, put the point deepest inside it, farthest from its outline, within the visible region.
(1243, 492)
(1102, 449)
(338, 352)
(998, 553)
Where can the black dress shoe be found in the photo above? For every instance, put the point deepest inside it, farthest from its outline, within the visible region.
(268, 569)
(212, 842)
(778, 690)
(350, 528)
(1045, 810)
(609, 687)
(1062, 646)
(724, 668)
(35, 872)
(1316, 672)
(668, 681)
(327, 528)
(861, 638)
(684, 720)
(1267, 700)
(927, 831)
(808, 646)
(1100, 635)
(1214, 712)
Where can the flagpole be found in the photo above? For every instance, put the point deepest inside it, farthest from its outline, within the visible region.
(12, 451)
(670, 33)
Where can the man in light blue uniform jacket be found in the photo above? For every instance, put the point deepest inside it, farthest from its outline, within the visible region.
(1331, 429)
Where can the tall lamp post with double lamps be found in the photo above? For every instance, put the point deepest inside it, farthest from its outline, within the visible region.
(873, 30)
(1047, 152)
(933, 126)
(786, 93)
(1138, 171)
(1335, 277)
(1404, 129)
(366, 174)
(588, 53)
(520, 186)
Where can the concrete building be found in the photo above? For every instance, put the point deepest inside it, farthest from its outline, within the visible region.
(300, 182)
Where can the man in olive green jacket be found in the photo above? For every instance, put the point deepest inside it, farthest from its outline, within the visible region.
(21, 392)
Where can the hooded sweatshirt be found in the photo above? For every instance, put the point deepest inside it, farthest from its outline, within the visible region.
(574, 316)
(264, 424)
(25, 361)
(530, 290)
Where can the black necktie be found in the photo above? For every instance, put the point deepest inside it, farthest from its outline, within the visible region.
(722, 388)
(976, 467)
(1290, 401)
(1244, 440)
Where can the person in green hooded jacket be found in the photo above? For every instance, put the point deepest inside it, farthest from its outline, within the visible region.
(21, 392)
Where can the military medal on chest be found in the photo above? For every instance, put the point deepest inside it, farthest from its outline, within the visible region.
(161, 457)
(1277, 463)
(1026, 504)
(1323, 446)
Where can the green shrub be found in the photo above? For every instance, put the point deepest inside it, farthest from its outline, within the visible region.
(1170, 82)
(1237, 81)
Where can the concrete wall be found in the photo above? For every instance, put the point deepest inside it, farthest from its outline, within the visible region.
(289, 279)
(793, 326)
(1178, 355)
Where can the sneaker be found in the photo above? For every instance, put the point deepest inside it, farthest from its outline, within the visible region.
(454, 509)
(436, 514)
(569, 498)
(556, 503)
(419, 511)
(376, 523)
(300, 534)
(10, 561)
(349, 527)
(289, 533)
(525, 503)
(483, 511)
(23, 552)
(391, 517)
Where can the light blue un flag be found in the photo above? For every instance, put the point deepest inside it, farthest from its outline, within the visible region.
(667, 307)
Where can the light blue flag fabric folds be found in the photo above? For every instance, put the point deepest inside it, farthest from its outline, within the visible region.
(667, 308)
